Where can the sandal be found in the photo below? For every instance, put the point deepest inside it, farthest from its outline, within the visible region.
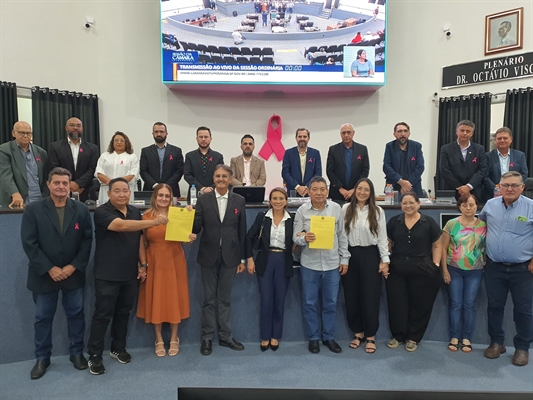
(160, 349)
(453, 346)
(411, 345)
(466, 348)
(393, 343)
(370, 350)
(356, 342)
(174, 348)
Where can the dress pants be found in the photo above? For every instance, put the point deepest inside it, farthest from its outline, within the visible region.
(273, 286)
(45, 309)
(114, 300)
(312, 283)
(517, 279)
(362, 290)
(217, 281)
(412, 287)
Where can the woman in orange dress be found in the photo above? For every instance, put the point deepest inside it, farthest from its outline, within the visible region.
(164, 296)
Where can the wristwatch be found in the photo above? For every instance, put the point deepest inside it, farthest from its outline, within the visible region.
(144, 265)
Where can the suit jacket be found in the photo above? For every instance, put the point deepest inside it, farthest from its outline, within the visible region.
(261, 257)
(172, 168)
(336, 168)
(60, 155)
(13, 176)
(415, 164)
(46, 246)
(457, 172)
(193, 172)
(227, 236)
(257, 171)
(517, 162)
(291, 172)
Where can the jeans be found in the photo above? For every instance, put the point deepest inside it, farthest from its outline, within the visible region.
(517, 279)
(45, 309)
(463, 290)
(312, 282)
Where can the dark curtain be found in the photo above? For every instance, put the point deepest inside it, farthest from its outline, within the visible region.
(476, 108)
(8, 110)
(518, 118)
(51, 108)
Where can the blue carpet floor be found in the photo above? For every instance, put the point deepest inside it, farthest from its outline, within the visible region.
(432, 367)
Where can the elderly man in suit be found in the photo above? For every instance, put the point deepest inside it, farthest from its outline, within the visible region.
(501, 160)
(463, 164)
(161, 162)
(403, 162)
(300, 164)
(23, 168)
(221, 216)
(200, 164)
(76, 155)
(57, 235)
(248, 170)
(347, 163)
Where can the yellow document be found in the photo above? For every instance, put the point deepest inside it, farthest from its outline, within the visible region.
(324, 230)
(179, 227)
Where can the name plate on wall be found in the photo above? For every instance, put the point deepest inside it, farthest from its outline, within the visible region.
(495, 69)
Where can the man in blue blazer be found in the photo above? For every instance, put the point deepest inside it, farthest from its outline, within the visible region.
(403, 163)
(347, 163)
(501, 160)
(463, 164)
(57, 234)
(300, 164)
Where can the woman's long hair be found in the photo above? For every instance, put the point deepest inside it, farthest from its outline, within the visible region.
(154, 209)
(111, 147)
(373, 210)
(359, 52)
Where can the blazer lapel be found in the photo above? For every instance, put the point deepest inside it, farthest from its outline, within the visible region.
(54, 219)
(19, 160)
(66, 149)
(70, 210)
(214, 203)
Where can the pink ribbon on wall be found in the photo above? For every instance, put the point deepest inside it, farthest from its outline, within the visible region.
(273, 143)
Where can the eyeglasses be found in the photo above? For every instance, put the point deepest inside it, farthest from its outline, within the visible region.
(510, 186)
(74, 125)
(119, 141)
(24, 133)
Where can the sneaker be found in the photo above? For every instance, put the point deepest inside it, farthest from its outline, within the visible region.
(393, 343)
(411, 346)
(123, 356)
(96, 366)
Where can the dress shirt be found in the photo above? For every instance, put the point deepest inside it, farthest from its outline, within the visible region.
(315, 259)
(277, 233)
(222, 201)
(161, 154)
(509, 230)
(464, 152)
(360, 234)
(114, 165)
(246, 178)
(303, 159)
(32, 175)
(75, 149)
(504, 161)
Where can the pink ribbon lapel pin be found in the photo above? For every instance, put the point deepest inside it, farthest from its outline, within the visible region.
(170, 157)
(413, 158)
(81, 150)
(76, 226)
(236, 211)
(475, 159)
(359, 157)
(37, 159)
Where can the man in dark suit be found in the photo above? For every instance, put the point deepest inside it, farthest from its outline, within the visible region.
(161, 162)
(248, 170)
(463, 164)
(23, 168)
(501, 160)
(300, 164)
(200, 164)
(403, 162)
(76, 155)
(347, 163)
(221, 216)
(57, 234)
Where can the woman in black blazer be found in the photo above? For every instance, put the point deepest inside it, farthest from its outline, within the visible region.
(273, 265)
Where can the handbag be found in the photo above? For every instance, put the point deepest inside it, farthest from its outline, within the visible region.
(256, 243)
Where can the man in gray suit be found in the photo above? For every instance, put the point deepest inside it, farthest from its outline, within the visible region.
(22, 169)
(221, 216)
(248, 170)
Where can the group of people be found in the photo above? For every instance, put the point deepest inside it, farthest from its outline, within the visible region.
(408, 251)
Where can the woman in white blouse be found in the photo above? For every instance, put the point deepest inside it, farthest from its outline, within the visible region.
(117, 161)
(366, 228)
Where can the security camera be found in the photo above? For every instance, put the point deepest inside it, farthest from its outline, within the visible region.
(87, 25)
(89, 21)
(449, 34)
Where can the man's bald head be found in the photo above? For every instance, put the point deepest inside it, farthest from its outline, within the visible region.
(22, 133)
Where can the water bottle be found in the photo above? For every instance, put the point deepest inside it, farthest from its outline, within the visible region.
(193, 195)
(285, 187)
(497, 190)
(389, 199)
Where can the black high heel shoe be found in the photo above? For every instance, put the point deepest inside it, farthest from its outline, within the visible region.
(274, 347)
(265, 347)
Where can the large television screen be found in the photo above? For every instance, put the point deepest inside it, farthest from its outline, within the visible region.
(330, 42)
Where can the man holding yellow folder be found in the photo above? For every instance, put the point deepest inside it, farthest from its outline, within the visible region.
(324, 259)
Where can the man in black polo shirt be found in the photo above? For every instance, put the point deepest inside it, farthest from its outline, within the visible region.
(119, 249)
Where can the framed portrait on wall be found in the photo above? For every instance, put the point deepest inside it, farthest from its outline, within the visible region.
(504, 31)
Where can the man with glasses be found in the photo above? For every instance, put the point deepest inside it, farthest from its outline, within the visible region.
(22, 169)
(509, 266)
(76, 155)
(321, 268)
(403, 163)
